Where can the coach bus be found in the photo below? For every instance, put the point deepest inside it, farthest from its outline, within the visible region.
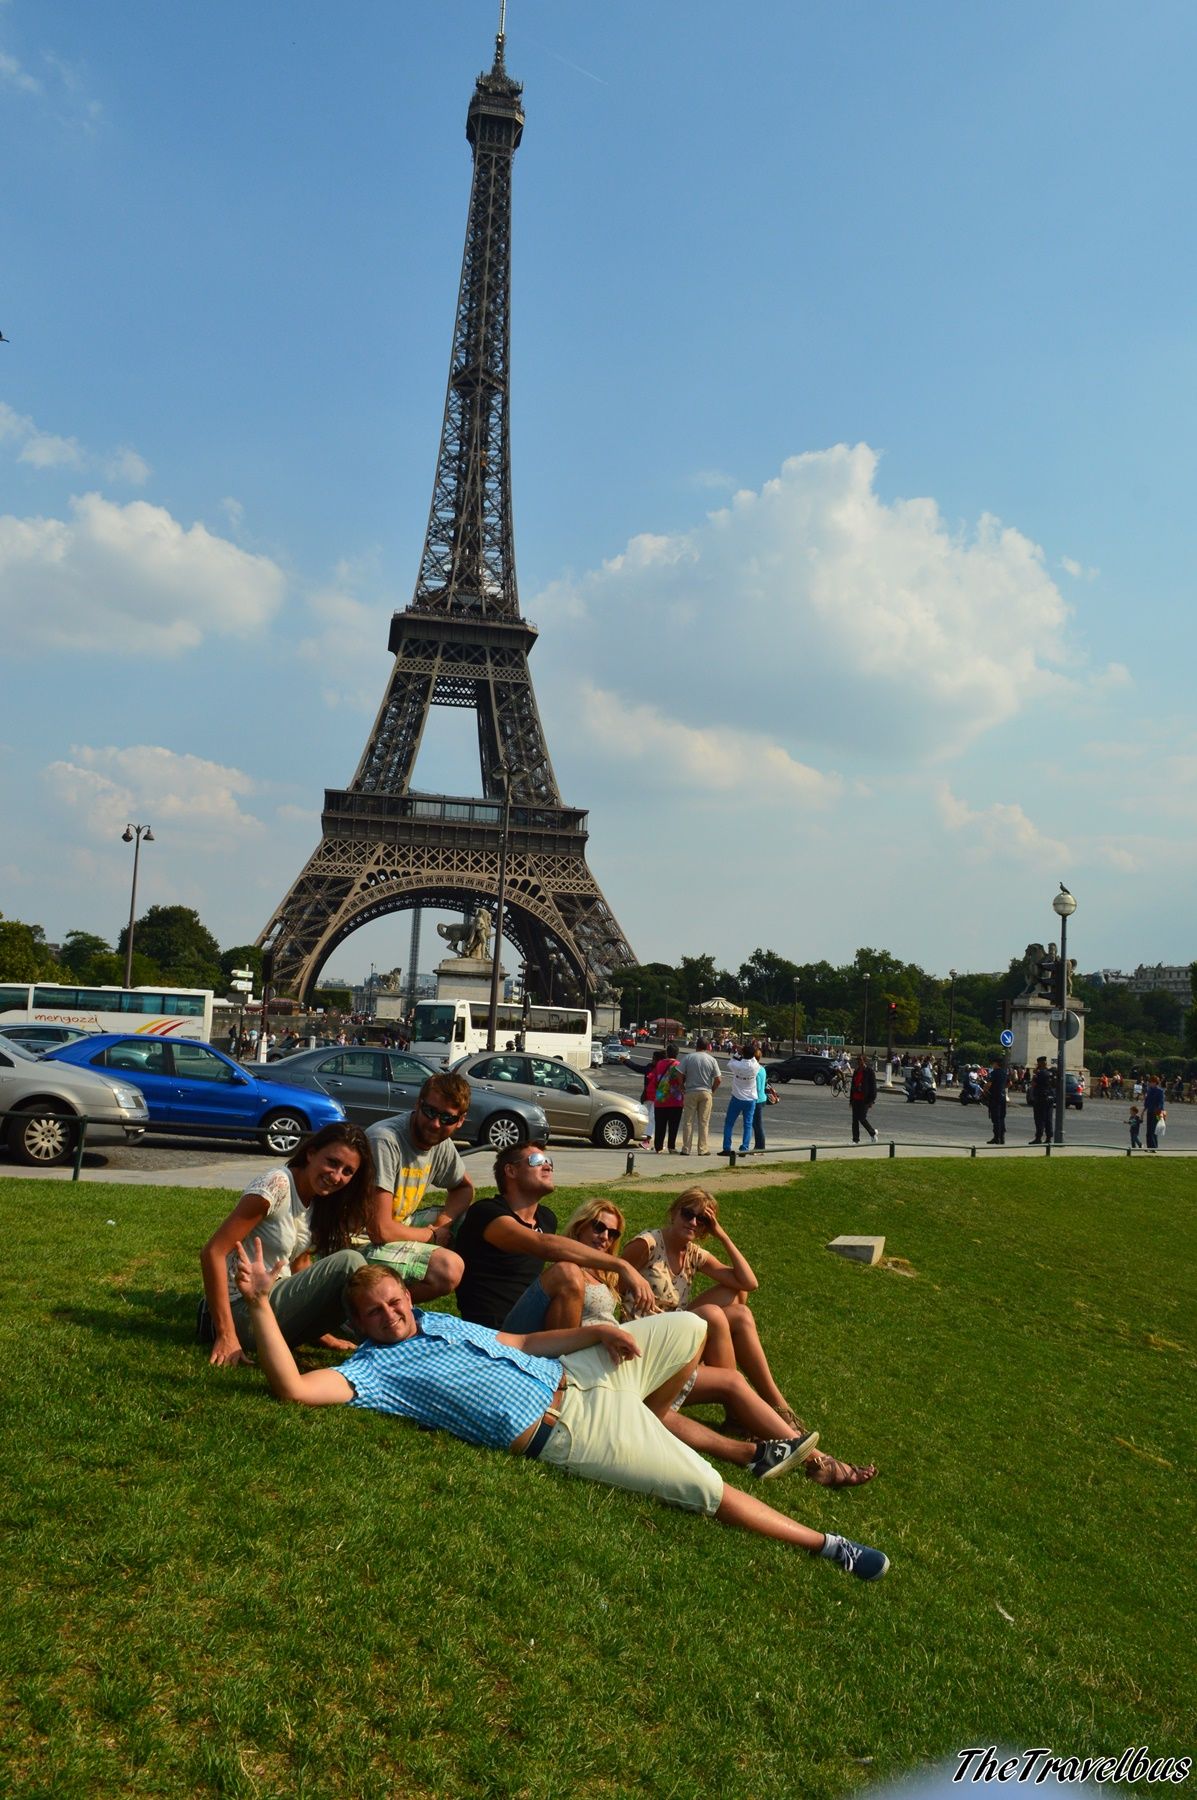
(444, 1030)
(144, 1011)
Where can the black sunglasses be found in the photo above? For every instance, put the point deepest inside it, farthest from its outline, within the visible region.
(611, 1231)
(438, 1117)
(695, 1218)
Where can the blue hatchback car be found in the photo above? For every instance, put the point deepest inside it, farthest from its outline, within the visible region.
(189, 1086)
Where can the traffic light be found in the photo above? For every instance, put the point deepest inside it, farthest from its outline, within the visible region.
(267, 965)
(1007, 1013)
(893, 1011)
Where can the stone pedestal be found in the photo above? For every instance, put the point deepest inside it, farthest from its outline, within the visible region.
(465, 978)
(1031, 1025)
(859, 1249)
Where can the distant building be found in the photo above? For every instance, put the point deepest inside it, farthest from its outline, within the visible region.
(1151, 978)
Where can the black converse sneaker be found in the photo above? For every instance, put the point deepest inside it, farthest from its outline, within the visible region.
(775, 1455)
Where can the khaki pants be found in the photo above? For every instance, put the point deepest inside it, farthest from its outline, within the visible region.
(697, 1106)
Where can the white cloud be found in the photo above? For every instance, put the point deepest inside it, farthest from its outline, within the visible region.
(1000, 830)
(1077, 570)
(821, 613)
(46, 450)
(233, 511)
(125, 580)
(107, 787)
(671, 755)
(17, 76)
(126, 465)
(348, 648)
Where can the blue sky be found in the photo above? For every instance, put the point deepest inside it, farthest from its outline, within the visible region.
(854, 373)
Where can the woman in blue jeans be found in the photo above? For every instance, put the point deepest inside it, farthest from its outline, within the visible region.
(742, 1105)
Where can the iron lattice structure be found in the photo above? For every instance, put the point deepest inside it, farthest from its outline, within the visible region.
(462, 642)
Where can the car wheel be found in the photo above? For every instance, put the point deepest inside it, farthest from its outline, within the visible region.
(821, 1080)
(612, 1132)
(40, 1138)
(932, 1098)
(503, 1131)
(282, 1132)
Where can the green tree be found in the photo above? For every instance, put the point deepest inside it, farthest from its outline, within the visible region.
(768, 978)
(183, 948)
(24, 953)
(245, 956)
(80, 951)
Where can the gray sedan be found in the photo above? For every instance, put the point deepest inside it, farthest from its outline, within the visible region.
(375, 1084)
(44, 1100)
(574, 1105)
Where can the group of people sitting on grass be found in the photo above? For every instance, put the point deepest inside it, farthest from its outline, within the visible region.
(568, 1346)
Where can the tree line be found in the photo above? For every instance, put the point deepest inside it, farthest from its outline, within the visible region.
(787, 998)
(174, 947)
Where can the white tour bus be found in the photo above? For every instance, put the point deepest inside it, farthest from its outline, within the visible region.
(444, 1030)
(149, 1011)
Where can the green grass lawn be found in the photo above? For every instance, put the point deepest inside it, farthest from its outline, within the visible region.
(207, 1593)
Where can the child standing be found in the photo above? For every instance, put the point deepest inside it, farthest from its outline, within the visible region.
(1135, 1122)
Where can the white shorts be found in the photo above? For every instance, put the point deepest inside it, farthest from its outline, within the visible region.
(606, 1432)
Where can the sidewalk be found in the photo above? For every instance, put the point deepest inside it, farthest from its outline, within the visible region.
(581, 1165)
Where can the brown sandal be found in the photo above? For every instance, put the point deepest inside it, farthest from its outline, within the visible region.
(791, 1418)
(828, 1472)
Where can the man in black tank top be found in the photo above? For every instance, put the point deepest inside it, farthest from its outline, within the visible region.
(506, 1241)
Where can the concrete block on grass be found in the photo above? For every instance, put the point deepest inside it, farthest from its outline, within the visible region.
(859, 1249)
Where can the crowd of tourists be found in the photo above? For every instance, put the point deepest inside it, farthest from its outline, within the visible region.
(566, 1345)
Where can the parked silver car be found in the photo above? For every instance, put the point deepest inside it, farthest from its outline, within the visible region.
(374, 1084)
(573, 1104)
(41, 1037)
(44, 1100)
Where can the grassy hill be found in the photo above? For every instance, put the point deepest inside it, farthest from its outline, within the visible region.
(207, 1593)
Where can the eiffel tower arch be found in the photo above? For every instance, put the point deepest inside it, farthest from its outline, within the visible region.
(384, 847)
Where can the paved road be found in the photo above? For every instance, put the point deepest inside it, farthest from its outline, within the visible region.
(806, 1115)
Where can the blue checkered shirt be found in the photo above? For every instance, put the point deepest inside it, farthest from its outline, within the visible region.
(455, 1377)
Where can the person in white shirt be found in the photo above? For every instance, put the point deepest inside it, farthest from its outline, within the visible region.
(742, 1105)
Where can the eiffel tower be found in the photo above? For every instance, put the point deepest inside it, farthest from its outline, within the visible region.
(462, 642)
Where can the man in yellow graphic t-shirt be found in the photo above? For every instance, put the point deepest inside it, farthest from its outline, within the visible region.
(412, 1152)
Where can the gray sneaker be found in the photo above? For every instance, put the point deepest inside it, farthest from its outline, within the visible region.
(857, 1559)
(775, 1455)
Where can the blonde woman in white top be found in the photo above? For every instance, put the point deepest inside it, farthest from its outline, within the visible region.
(670, 1259)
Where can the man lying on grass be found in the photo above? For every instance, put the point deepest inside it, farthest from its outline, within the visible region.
(588, 1401)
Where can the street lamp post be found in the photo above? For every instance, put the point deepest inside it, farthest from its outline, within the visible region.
(133, 834)
(1064, 906)
(864, 1040)
(952, 1023)
(794, 1024)
(506, 773)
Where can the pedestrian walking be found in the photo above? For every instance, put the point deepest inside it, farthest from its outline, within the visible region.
(861, 1097)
